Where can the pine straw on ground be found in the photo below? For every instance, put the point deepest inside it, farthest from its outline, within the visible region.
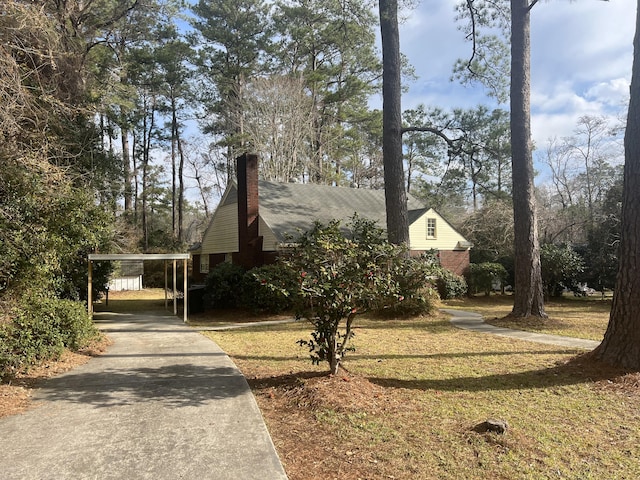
(301, 411)
(311, 449)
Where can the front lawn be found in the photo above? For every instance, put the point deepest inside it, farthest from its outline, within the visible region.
(413, 392)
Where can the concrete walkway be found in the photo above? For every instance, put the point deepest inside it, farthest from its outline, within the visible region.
(473, 321)
(163, 403)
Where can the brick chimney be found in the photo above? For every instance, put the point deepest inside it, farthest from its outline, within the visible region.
(249, 242)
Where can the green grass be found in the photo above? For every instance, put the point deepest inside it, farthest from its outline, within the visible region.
(418, 387)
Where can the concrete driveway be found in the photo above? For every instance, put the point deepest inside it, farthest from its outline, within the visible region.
(163, 402)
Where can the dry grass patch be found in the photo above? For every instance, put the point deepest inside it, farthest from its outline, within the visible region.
(212, 318)
(569, 316)
(412, 393)
(148, 299)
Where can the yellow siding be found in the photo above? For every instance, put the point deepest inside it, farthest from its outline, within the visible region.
(446, 237)
(270, 242)
(222, 234)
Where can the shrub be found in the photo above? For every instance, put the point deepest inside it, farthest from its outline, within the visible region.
(340, 273)
(270, 288)
(40, 330)
(450, 285)
(482, 276)
(76, 327)
(561, 266)
(415, 277)
(224, 286)
(10, 358)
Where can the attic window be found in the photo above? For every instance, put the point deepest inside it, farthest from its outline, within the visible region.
(431, 228)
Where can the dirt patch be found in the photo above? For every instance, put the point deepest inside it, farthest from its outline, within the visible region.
(15, 394)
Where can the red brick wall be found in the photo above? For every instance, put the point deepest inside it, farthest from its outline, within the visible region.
(456, 261)
(249, 243)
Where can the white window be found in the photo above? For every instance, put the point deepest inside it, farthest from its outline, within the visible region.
(431, 228)
(228, 257)
(204, 263)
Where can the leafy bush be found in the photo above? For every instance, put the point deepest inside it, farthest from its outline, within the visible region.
(450, 285)
(41, 329)
(482, 276)
(269, 288)
(10, 359)
(415, 277)
(561, 266)
(340, 273)
(76, 327)
(224, 286)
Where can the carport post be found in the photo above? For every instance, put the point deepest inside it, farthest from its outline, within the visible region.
(166, 275)
(89, 290)
(175, 284)
(184, 310)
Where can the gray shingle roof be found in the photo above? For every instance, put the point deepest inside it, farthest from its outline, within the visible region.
(288, 208)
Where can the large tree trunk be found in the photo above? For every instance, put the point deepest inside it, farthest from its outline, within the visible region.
(621, 344)
(529, 296)
(126, 170)
(174, 135)
(180, 189)
(395, 194)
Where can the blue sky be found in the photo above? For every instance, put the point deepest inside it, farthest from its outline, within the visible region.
(581, 55)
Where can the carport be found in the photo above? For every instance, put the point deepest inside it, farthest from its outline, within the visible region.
(174, 257)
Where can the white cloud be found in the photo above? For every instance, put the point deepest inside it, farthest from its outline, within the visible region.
(581, 54)
(614, 92)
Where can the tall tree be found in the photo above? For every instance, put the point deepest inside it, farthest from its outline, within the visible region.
(234, 38)
(277, 116)
(48, 216)
(458, 154)
(172, 56)
(112, 30)
(486, 65)
(621, 344)
(583, 169)
(331, 44)
(529, 293)
(395, 194)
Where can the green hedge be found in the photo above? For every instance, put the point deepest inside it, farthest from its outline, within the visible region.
(482, 276)
(269, 289)
(224, 286)
(40, 330)
(450, 285)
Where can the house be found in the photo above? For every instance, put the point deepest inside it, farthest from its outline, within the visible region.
(255, 219)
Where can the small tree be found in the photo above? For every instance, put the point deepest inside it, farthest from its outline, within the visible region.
(343, 272)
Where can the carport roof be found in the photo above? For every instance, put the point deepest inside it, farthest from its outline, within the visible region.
(139, 256)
